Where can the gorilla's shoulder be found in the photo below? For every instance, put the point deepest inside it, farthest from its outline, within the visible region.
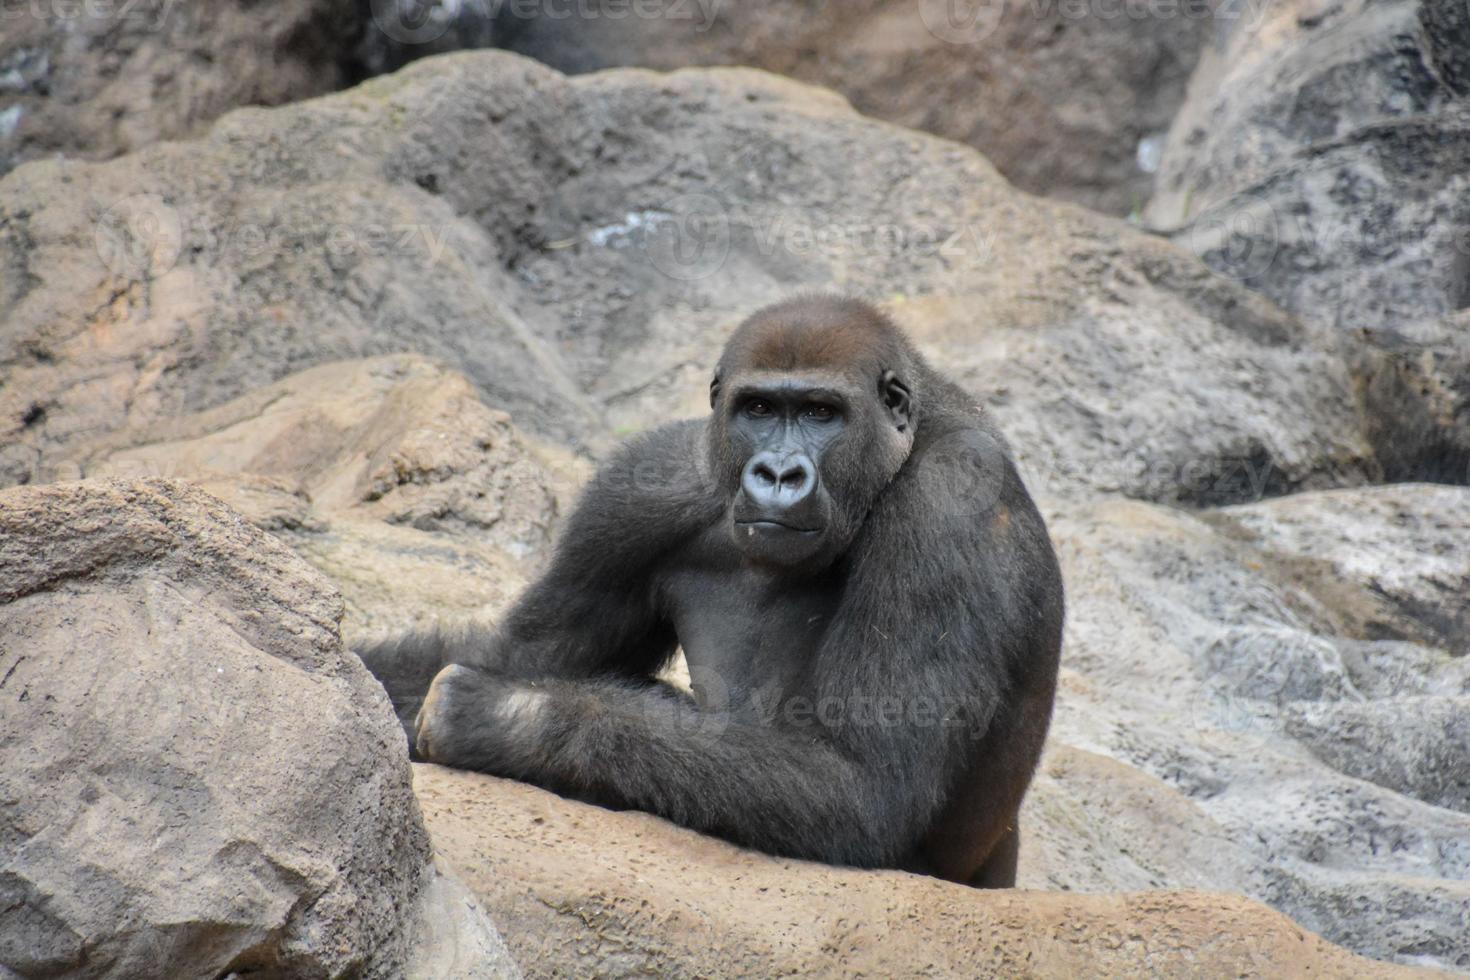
(682, 436)
(663, 467)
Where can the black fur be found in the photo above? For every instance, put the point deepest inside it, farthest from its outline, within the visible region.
(876, 697)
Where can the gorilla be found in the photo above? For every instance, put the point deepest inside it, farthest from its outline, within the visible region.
(865, 594)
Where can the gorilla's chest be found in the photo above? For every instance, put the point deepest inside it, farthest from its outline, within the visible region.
(742, 629)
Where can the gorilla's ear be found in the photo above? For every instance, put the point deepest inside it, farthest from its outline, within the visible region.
(714, 391)
(896, 397)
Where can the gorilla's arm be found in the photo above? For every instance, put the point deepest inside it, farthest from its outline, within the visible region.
(650, 748)
(592, 611)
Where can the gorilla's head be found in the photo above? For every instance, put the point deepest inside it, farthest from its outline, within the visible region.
(813, 414)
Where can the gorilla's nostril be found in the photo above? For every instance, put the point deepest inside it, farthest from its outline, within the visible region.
(766, 476)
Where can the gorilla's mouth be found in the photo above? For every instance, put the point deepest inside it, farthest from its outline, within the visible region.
(767, 525)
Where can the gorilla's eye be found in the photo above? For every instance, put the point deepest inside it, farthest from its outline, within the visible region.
(821, 413)
(758, 409)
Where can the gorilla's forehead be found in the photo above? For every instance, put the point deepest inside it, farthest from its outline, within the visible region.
(832, 349)
(839, 337)
(836, 346)
(816, 381)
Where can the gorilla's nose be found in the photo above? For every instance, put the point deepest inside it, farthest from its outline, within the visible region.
(778, 482)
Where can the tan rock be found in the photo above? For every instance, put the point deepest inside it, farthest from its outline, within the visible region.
(582, 891)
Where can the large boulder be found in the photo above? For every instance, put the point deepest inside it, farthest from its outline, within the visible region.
(585, 892)
(1320, 158)
(1290, 675)
(193, 769)
(530, 229)
(1067, 99)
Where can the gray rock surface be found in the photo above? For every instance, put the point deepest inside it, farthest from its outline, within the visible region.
(196, 774)
(1418, 746)
(1067, 99)
(1320, 157)
(1292, 673)
(1414, 380)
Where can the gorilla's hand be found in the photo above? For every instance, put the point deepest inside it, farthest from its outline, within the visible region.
(474, 719)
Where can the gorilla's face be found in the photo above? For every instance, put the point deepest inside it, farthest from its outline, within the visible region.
(805, 454)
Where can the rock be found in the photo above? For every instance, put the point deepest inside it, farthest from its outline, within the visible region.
(456, 939)
(1388, 563)
(1415, 385)
(98, 79)
(396, 578)
(1096, 825)
(582, 891)
(195, 771)
(1099, 401)
(555, 277)
(1415, 745)
(394, 438)
(388, 473)
(1066, 99)
(1290, 671)
(1319, 158)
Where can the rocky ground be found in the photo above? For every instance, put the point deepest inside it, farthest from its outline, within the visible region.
(392, 329)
